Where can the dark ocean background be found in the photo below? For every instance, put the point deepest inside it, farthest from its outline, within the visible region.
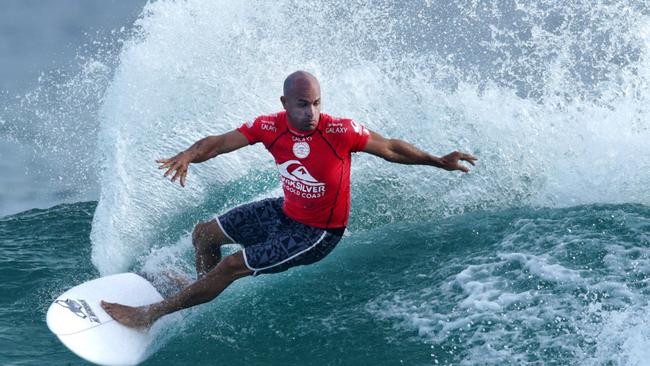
(539, 256)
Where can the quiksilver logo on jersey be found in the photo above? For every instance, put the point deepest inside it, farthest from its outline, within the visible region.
(297, 180)
(301, 149)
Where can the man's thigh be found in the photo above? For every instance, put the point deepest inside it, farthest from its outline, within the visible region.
(295, 245)
(253, 222)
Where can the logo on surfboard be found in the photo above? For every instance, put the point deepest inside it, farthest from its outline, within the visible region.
(79, 308)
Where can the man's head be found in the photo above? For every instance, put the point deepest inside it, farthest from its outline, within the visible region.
(301, 100)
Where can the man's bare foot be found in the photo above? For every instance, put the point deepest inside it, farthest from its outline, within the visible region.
(133, 317)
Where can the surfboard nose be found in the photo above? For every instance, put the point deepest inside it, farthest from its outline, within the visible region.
(80, 323)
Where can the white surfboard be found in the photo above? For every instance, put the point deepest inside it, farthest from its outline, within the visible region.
(79, 321)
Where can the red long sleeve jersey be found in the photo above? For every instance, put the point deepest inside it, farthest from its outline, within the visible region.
(314, 166)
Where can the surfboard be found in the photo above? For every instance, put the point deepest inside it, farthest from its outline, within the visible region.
(81, 324)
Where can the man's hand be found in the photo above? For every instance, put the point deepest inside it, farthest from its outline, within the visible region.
(177, 165)
(451, 161)
(202, 150)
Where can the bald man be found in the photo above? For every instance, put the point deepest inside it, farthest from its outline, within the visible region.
(312, 151)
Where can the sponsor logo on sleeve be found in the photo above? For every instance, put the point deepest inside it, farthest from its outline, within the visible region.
(268, 125)
(335, 127)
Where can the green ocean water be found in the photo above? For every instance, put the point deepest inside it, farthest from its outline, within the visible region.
(505, 287)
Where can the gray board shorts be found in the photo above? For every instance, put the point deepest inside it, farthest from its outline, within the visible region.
(272, 241)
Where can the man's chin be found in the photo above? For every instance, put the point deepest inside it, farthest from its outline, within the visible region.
(304, 126)
(307, 127)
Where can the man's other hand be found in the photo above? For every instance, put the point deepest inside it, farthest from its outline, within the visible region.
(451, 161)
(177, 165)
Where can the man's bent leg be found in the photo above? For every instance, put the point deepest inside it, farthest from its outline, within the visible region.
(208, 238)
(203, 290)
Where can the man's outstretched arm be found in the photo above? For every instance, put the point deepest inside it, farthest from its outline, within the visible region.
(202, 150)
(398, 151)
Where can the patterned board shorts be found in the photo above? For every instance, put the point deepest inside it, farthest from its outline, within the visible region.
(272, 241)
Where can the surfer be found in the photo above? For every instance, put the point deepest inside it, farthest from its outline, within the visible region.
(312, 151)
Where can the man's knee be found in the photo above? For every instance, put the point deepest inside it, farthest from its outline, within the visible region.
(208, 235)
(234, 266)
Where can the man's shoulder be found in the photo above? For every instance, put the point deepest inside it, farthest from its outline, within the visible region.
(273, 118)
(267, 122)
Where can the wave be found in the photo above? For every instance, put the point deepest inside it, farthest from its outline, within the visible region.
(552, 99)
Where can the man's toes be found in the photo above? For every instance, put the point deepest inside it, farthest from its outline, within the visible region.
(108, 308)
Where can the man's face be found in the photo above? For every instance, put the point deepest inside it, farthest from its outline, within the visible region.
(302, 104)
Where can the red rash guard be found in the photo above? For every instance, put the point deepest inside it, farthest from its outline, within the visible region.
(314, 166)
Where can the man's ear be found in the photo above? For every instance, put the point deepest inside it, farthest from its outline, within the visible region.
(284, 101)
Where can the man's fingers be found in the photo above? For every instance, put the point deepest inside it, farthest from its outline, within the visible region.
(176, 166)
(179, 174)
(166, 163)
(468, 158)
(178, 169)
(452, 161)
(168, 171)
(183, 175)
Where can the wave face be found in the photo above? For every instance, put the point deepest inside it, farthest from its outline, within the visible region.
(553, 99)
